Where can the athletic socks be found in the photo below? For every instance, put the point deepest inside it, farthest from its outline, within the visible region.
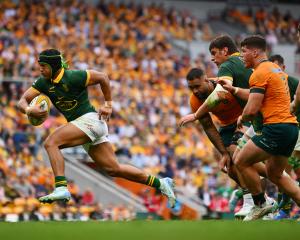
(60, 181)
(259, 199)
(153, 182)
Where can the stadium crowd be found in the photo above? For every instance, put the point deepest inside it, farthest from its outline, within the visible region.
(132, 44)
(272, 23)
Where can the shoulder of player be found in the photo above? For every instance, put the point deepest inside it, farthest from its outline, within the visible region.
(40, 80)
(71, 74)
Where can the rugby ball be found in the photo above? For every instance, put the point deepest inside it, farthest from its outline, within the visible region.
(44, 102)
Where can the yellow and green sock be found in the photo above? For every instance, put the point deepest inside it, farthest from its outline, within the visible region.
(153, 181)
(60, 181)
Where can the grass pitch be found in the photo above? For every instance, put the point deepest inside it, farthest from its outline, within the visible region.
(152, 230)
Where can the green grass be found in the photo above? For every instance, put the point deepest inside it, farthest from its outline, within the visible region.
(152, 230)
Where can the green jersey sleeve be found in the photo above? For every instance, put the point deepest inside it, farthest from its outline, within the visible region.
(293, 84)
(39, 85)
(79, 78)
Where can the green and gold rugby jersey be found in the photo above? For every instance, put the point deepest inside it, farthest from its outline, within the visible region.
(293, 84)
(233, 69)
(67, 92)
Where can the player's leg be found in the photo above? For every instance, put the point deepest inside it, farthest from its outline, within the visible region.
(245, 161)
(65, 136)
(296, 163)
(275, 170)
(285, 203)
(296, 169)
(243, 192)
(105, 158)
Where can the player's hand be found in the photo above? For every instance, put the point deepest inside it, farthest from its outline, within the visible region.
(240, 122)
(36, 111)
(186, 119)
(227, 85)
(105, 113)
(225, 162)
(293, 107)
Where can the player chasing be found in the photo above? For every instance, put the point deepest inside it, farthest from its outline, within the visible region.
(269, 94)
(67, 90)
(211, 97)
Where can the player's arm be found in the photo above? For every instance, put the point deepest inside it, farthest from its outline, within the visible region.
(236, 91)
(29, 94)
(215, 138)
(212, 133)
(95, 77)
(253, 105)
(212, 101)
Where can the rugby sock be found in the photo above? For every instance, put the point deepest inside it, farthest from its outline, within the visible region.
(259, 199)
(153, 181)
(60, 181)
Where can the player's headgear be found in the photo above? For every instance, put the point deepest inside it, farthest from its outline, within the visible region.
(53, 59)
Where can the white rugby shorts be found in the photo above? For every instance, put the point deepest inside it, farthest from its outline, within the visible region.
(93, 127)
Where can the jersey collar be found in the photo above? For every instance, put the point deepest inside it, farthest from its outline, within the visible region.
(235, 54)
(59, 76)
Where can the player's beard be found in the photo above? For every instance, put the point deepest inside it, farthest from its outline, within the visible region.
(202, 96)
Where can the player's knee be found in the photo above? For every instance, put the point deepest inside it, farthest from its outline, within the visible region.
(112, 171)
(50, 142)
(238, 162)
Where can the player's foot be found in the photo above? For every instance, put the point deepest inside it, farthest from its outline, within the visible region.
(268, 217)
(236, 195)
(258, 212)
(273, 202)
(59, 194)
(281, 215)
(167, 186)
(246, 208)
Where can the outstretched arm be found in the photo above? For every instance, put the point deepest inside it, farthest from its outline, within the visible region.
(101, 78)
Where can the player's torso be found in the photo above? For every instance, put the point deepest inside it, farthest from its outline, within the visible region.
(276, 103)
(68, 97)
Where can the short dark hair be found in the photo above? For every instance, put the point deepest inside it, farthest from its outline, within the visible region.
(277, 58)
(194, 73)
(255, 41)
(223, 41)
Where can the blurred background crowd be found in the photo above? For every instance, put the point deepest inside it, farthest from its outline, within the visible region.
(132, 43)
